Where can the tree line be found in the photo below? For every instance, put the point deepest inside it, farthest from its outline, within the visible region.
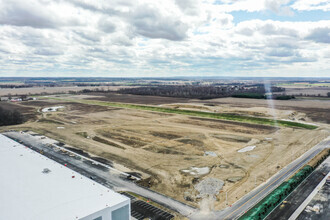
(199, 92)
(12, 86)
(10, 117)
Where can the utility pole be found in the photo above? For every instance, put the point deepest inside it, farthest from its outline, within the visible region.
(255, 180)
(226, 198)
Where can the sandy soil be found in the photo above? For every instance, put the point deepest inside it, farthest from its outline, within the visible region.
(160, 146)
(137, 99)
(310, 110)
(316, 110)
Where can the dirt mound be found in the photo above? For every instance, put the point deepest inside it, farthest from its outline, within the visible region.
(163, 150)
(192, 142)
(165, 135)
(231, 138)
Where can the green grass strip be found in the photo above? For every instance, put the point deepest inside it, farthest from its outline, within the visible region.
(270, 202)
(225, 116)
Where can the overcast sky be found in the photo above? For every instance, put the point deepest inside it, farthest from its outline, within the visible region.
(164, 38)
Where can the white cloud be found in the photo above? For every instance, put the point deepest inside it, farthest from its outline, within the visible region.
(149, 22)
(151, 37)
(320, 35)
(189, 7)
(39, 14)
(308, 5)
(106, 24)
(279, 7)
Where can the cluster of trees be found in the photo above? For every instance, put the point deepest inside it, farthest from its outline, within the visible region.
(265, 206)
(199, 92)
(11, 86)
(9, 117)
(95, 84)
(251, 95)
(92, 90)
(284, 97)
(30, 85)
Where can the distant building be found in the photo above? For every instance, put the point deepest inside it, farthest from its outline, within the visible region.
(34, 187)
(4, 99)
(15, 99)
(31, 98)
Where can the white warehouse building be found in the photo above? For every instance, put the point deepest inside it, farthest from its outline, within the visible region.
(34, 187)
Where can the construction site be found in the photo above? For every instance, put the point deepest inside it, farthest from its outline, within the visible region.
(204, 162)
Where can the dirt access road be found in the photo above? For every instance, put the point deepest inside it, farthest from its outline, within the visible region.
(111, 179)
(173, 153)
(99, 173)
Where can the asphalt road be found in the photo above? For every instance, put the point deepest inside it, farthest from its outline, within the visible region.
(112, 179)
(298, 196)
(252, 198)
(321, 199)
(100, 174)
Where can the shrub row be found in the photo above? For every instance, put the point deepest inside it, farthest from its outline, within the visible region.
(268, 204)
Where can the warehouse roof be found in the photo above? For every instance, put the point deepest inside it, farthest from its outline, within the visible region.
(33, 187)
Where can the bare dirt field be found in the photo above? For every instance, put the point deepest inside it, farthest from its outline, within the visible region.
(173, 153)
(27, 112)
(315, 110)
(136, 99)
(314, 91)
(52, 90)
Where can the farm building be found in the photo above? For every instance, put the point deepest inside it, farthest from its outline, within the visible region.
(34, 187)
(4, 99)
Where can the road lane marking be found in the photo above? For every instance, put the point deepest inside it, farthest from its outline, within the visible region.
(267, 186)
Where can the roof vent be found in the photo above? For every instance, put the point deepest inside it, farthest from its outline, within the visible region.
(46, 170)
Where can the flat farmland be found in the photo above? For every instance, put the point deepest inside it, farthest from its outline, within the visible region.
(52, 90)
(314, 91)
(135, 99)
(173, 153)
(311, 110)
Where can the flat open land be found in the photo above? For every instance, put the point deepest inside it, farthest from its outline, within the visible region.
(311, 110)
(314, 91)
(52, 90)
(175, 152)
(135, 99)
(306, 89)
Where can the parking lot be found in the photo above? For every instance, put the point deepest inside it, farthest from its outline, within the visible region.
(141, 210)
(93, 169)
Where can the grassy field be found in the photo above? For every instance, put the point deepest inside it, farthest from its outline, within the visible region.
(313, 98)
(225, 116)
